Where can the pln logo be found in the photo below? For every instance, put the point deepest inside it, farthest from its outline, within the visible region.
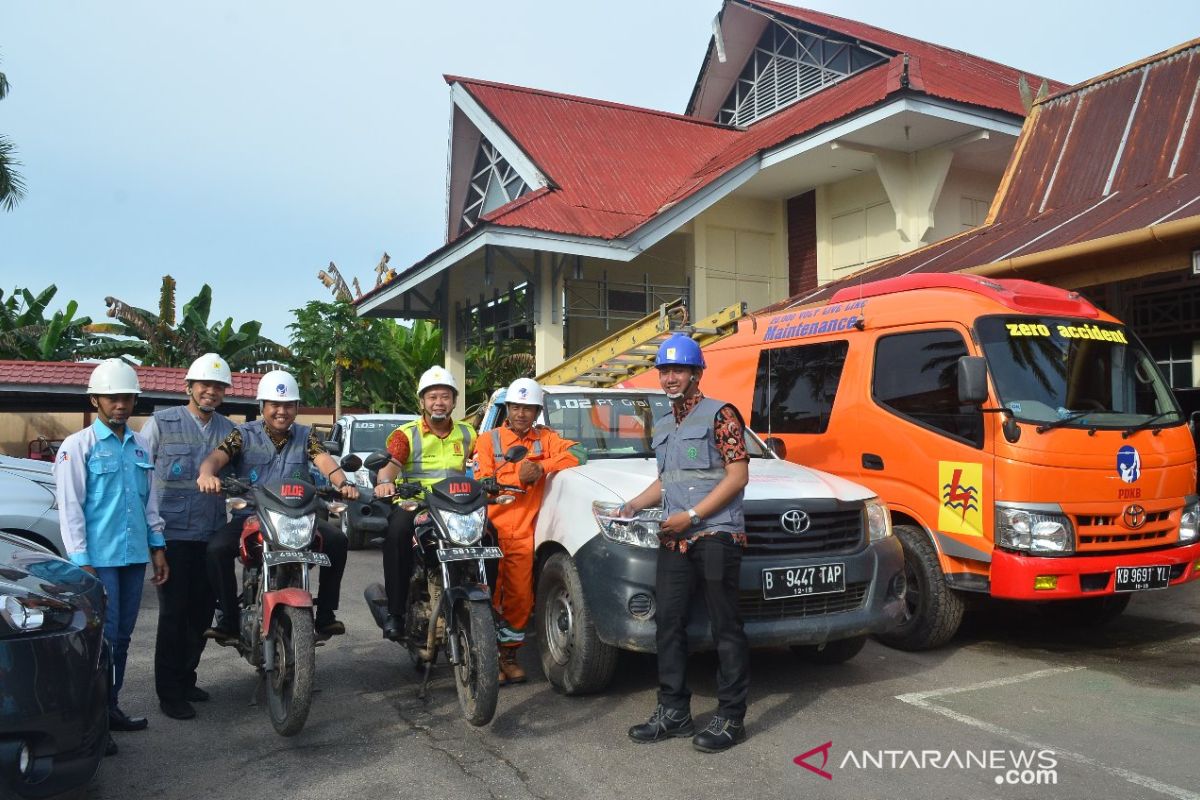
(960, 489)
(1129, 464)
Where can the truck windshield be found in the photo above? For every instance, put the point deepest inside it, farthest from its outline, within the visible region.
(614, 425)
(1065, 372)
(367, 436)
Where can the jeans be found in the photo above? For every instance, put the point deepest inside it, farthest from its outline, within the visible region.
(123, 585)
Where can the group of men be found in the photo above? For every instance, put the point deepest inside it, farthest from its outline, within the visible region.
(127, 499)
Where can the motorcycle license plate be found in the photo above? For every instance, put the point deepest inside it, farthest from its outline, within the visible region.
(468, 553)
(1139, 579)
(781, 582)
(276, 557)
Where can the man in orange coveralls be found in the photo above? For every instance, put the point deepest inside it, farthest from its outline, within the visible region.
(514, 523)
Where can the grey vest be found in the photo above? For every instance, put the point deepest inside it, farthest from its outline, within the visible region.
(189, 515)
(690, 466)
(260, 462)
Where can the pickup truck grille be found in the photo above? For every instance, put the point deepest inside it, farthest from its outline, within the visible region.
(755, 609)
(833, 530)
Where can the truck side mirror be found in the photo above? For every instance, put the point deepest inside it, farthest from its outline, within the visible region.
(972, 380)
(331, 446)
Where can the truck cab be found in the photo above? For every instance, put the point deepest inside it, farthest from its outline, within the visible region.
(821, 571)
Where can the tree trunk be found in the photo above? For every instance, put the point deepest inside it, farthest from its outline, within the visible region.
(337, 392)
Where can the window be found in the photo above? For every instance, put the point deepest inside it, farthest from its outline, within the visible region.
(787, 64)
(795, 387)
(493, 183)
(1174, 358)
(916, 377)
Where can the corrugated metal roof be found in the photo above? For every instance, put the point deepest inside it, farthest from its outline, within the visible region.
(75, 375)
(1110, 156)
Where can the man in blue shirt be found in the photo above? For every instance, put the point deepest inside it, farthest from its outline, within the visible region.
(102, 476)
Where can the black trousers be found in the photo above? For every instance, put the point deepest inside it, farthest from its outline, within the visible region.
(398, 558)
(185, 609)
(711, 567)
(223, 550)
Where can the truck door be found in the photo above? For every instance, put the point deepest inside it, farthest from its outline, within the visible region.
(921, 449)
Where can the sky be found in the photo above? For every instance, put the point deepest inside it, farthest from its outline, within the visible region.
(248, 144)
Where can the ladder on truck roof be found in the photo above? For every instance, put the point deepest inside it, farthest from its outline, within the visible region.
(631, 351)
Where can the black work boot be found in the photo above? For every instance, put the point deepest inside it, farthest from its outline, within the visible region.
(393, 627)
(664, 723)
(720, 734)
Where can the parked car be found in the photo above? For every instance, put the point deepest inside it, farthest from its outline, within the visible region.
(54, 673)
(27, 505)
(821, 572)
(362, 434)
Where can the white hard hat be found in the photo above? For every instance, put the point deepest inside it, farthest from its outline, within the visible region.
(210, 367)
(436, 376)
(525, 391)
(113, 376)
(279, 386)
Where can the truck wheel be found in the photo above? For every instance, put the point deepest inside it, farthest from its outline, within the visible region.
(831, 653)
(933, 611)
(574, 659)
(1087, 613)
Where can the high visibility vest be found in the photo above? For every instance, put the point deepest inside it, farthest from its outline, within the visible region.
(431, 458)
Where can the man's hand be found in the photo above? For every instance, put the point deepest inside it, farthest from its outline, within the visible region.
(676, 524)
(385, 489)
(529, 472)
(209, 484)
(349, 491)
(161, 571)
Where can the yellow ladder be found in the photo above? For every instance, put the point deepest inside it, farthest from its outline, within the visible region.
(631, 351)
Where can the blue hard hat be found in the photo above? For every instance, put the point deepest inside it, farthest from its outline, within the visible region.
(679, 348)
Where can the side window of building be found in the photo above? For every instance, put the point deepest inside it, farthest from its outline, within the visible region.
(794, 387)
(916, 377)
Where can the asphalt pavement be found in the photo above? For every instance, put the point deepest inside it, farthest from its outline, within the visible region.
(1014, 707)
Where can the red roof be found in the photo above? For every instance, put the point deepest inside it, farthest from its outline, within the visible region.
(1110, 156)
(75, 374)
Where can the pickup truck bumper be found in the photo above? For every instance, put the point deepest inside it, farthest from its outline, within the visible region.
(1013, 575)
(618, 583)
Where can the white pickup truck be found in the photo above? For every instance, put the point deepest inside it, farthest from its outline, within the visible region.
(820, 573)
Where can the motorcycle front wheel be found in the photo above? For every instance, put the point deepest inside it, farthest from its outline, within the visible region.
(290, 685)
(477, 677)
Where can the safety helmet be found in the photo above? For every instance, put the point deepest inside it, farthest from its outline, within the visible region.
(525, 391)
(679, 348)
(436, 376)
(113, 376)
(279, 386)
(210, 367)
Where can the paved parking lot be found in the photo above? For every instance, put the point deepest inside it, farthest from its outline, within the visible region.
(1014, 707)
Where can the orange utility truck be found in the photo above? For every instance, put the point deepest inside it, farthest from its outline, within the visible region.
(1024, 440)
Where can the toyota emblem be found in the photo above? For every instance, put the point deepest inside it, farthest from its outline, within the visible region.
(795, 521)
(1134, 516)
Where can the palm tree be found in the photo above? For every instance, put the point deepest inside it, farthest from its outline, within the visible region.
(12, 187)
(159, 341)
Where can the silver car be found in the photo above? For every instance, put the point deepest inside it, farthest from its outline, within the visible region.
(27, 503)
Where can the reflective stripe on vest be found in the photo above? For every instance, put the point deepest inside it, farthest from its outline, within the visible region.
(537, 447)
(426, 474)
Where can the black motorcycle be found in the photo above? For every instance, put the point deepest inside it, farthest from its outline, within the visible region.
(449, 601)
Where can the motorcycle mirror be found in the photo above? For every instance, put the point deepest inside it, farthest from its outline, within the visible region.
(516, 453)
(377, 460)
(351, 463)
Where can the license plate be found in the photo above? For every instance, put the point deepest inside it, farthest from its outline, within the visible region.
(468, 553)
(277, 557)
(1138, 579)
(781, 582)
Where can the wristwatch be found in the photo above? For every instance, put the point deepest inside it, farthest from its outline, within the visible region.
(693, 516)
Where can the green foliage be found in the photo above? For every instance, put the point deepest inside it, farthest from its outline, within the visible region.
(496, 365)
(27, 334)
(157, 340)
(12, 187)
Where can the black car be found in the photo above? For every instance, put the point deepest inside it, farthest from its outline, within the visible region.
(54, 673)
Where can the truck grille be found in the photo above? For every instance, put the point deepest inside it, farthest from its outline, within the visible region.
(755, 609)
(837, 531)
(1107, 532)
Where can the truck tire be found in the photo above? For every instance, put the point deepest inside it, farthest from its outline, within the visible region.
(934, 610)
(574, 659)
(830, 653)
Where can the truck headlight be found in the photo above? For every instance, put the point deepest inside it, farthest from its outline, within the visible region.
(879, 520)
(1189, 522)
(1036, 531)
(641, 531)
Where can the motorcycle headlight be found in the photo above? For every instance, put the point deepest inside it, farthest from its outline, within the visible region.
(294, 533)
(879, 520)
(1189, 523)
(641, 531)
(465, 529)
(1034, 530)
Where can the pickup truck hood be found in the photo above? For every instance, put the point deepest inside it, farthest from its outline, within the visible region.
(770, 479)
